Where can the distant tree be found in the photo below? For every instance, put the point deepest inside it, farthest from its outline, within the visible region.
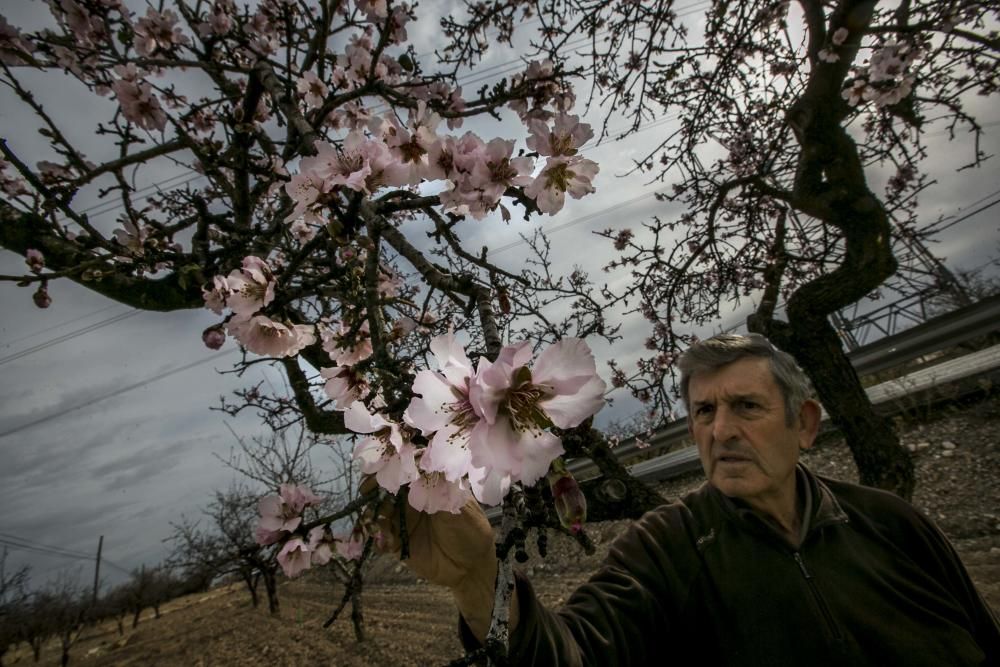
(13, 603)
(147, 587)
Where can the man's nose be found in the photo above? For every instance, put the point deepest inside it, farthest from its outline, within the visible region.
(724, 427)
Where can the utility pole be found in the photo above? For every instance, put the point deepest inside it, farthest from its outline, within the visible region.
(97, 569)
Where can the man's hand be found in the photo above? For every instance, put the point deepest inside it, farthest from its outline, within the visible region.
(453, 550)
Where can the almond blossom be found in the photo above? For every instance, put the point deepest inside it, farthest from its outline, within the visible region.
(294, 557)
(561, 389)
(343, 386)
(282, 513)
(215, 298)
(565, 138)
(345, 347)
(384, 453)
(252, 287)
(320, 544)
(157, 32)
(313, 90)
(442, 407)
(352, 546)
(432, 492)
(262, 335)
(139, 105)
(562, 175)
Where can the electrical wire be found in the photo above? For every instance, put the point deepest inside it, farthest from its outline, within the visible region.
(97, 399)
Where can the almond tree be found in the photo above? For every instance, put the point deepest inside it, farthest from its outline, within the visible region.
(783, 112)
(13, 604)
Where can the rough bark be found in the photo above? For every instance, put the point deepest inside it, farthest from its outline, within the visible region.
(830, 185)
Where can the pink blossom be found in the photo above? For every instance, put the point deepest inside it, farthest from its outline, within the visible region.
(828, 55)
(220, 19)
(351, 547)
(157, 32)
(35, 260)
(374, 9)
(294, 557)
(442, 407)
(131, 236)
(251, 287)
(839, 36)
(566, 137)
(282, 513)
(304, 189)
(854, 93)
(320, 545)
(297, 497)
(499, 171)
(313, 90)
(431, 493)
(343, 386)
(344, 347)
(139, 105)
(384, 452)
(561, 389)
(262, 335)
(562, 175)
(276, 517)
(11, 185)
(215, 298)
(13, 47)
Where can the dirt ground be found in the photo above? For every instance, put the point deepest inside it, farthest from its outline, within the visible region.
(412, 623)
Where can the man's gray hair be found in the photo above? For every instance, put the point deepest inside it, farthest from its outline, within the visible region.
(722, 350)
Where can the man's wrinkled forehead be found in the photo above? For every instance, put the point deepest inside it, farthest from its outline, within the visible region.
(749, 377)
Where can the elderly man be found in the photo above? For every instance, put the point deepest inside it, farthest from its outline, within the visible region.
(765, 564)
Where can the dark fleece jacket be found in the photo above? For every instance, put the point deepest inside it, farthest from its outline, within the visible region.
(704, 581)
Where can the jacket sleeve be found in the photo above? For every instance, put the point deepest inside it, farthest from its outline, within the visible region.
(943, 558)
(624, 614)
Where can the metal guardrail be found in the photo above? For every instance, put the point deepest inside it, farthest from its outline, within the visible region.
(958, 326)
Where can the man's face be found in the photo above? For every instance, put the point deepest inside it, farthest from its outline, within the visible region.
(737, 419)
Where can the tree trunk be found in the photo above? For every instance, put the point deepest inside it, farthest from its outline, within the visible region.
(251, 583)
(156, 611)
(36, 648)
(66, 644)
(881, 460)
(121, 626)
(135, 617)
(271, 586)
(357, 615)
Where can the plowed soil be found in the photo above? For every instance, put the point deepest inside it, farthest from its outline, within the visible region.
(409, 622)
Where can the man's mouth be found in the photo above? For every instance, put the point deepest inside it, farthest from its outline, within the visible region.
(733, 458)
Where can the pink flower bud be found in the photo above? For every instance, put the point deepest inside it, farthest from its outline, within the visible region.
(35, 261)
(571, 504)
(41, 297)
(213, 337)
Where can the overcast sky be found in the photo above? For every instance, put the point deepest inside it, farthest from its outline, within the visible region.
(105, 427)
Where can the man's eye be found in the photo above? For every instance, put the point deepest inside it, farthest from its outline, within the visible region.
(703, 410)
(749, 405)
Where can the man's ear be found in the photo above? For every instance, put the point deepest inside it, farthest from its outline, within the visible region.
(809, 418)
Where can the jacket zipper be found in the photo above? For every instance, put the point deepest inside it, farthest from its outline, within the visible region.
(821, 603)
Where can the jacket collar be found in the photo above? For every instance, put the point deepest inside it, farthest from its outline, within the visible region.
(821, 506)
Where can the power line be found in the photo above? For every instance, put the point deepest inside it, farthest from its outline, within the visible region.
(117, 392)
(69, 336)
(59, 325)
(28, 545)
(34, 544)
